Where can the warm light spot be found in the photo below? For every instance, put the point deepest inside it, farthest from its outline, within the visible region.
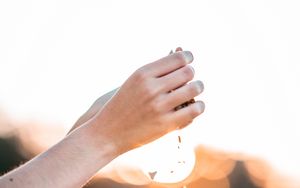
(212, 165)
(163, 161)
(172, 160)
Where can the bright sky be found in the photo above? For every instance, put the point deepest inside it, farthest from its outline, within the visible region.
(57, 57)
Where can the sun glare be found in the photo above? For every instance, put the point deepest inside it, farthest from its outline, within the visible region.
(167, 160)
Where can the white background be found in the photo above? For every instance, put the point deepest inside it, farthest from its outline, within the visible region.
(56, 57)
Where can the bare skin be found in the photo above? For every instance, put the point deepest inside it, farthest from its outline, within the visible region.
(92, 111)
(99, 104)
(140, 111)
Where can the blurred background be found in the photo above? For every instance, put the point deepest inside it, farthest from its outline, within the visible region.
(57, 57)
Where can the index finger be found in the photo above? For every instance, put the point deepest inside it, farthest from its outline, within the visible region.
(169, 63)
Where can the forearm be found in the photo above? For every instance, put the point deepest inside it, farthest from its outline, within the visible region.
(70, 163)
(141, 111)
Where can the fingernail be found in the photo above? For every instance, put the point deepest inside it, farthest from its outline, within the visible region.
(188, 56)
(200, 86)
(201, 106)
(192, 68)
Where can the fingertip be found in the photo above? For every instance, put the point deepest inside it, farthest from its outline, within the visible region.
(199, 86)
(191, 67)
(200, 106)
(178, 49)
(188, 56)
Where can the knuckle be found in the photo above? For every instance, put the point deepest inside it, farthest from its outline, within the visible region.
(155, 108)
(158, 87)
(150, 90)
(153, 92)
(167, 103)
(141, 74)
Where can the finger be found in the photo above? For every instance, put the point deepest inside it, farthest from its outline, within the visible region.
(176, 79)
(169, 63)
(184, 116)
(183, 94)
(178, 49)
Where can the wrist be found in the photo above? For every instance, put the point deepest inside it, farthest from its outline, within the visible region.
(98, 139)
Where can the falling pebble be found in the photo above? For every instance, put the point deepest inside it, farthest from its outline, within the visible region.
(179, 139)
(172, 171)
(11, 179)
(152, 174)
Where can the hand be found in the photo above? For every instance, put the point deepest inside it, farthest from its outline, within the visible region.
(99, 103)
(143, 108)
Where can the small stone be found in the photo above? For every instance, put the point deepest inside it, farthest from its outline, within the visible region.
(152, 174)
